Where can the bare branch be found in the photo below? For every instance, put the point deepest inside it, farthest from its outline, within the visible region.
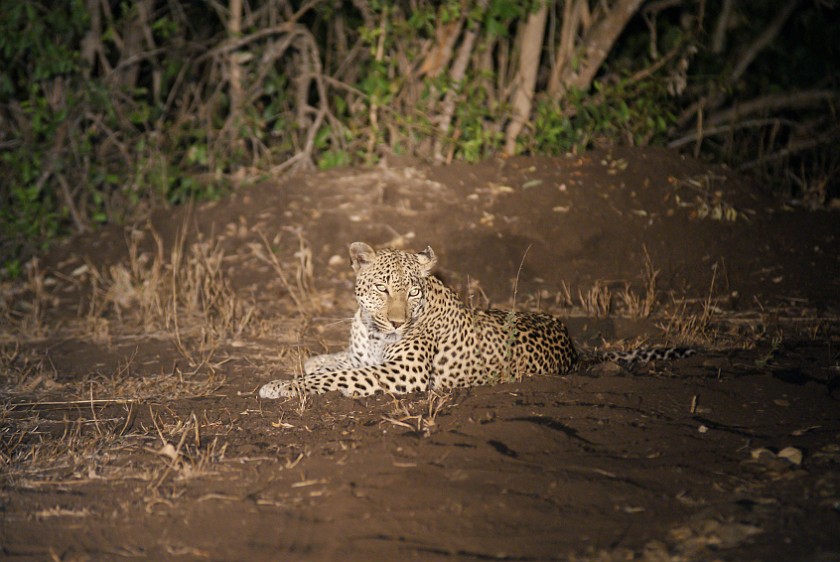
(234, 29)
(285, 27)
(646, 73)
(714, 99)
(829, 137)
(573, 16)
(763, 40)
(726, 129)
(719, 34)
(792, 100)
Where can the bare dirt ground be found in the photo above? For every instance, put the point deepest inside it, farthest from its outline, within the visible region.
(130, 429)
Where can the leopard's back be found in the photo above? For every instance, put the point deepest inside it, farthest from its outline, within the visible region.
(514, 344)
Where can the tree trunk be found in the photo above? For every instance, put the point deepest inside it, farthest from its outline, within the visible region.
(456, 76)
(526, 76)
(573, 18)
(598, 42)
(128, 68)
(234, 28)
(440, 55)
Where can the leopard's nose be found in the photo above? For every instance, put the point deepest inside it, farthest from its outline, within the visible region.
(396, 324)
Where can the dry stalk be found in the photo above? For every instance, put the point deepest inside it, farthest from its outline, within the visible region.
(305, 273)
(24, 305)
(597, 301)
(436, 402)
(650, 274)
(423, 423)
(684, 328)
(303, 399)
(401, 415)
(270, 258)
(563, 297)
(187, 459)
(636, 306)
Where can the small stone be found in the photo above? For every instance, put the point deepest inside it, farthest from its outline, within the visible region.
(792, 455)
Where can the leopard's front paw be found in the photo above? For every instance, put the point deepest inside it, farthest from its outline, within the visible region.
(278, 389)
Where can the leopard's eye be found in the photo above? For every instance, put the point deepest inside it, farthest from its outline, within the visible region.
(415, 292)
(381, 288)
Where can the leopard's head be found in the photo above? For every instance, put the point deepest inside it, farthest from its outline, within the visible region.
(391, 286)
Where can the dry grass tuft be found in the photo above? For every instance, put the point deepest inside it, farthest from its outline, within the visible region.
(684, 327)
(23, 305)
(691, 328)
(102, 442)
(302, 292)
(601, 301)
(597, 301)
(424, 422)
(636, 306)
(301, 397)
(187, 459)
(25, 371)
(185, 295)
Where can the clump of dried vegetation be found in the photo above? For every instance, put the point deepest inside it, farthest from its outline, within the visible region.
(50, 444)
(119, 420)
(418, 416)
(701, 323)
(605, 298)
(184, 294)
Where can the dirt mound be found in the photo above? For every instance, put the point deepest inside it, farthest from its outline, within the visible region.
(130, 358)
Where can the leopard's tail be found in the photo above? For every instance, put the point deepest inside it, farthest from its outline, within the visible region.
(634, 356)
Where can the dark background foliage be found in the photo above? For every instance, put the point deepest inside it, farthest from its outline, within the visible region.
(108, 109)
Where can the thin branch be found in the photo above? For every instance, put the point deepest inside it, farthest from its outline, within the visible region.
(710, 132)
(763, 40)
(792, 100)
(646, 73)
(830, 137)
(234, 29)
(719, 34)
(715, 98)
(233, 44)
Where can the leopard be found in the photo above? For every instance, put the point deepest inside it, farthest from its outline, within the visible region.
(412, 333)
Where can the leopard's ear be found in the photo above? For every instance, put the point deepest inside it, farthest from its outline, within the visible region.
(361, 255)
(427, 260)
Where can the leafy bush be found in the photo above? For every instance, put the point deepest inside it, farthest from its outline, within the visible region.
(107, 114)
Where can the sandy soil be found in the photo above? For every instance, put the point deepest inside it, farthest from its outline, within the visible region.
(130, 428)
